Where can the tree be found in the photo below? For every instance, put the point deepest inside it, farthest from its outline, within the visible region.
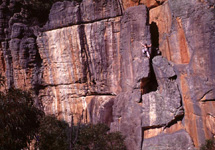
(96, 137)
(19, 119)
(21, 122)
(53, 134)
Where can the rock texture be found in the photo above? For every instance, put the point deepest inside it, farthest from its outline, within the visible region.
(127, 120)
(86, 61)
(186, 32)
(178, 141)
(159, 109)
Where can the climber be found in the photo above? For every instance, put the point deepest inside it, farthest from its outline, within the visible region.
(145, 49)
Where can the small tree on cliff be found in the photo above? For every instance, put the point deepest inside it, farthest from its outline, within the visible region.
(209, 144)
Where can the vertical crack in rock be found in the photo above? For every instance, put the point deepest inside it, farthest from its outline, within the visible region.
(154, 34)
(9, 64)
(82, 55)
(121, 6)
(163, 107)
(86, 59)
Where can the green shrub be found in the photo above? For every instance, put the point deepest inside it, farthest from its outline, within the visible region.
(53, 134)
(209, 145)
(21, 122)
(19, 119)
(96, 137)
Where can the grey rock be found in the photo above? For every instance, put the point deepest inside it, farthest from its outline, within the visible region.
(100, 110)
(136, 95)
(63, 14)
(17, 30)
(126, 119)
(92, 10)
(162, 106)
(134, 30)
(179, 140)
(66, 13)
(162, 68)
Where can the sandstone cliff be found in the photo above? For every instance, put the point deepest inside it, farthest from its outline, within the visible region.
(87, 59)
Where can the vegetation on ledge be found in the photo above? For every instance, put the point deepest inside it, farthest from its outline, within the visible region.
(209, 145)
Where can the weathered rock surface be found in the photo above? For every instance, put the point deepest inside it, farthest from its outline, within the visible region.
(82, 66)
(63, 15)
(126, 119)
(186, 32)
(67, 13)
(159, 109)
(178, 141)
(163, 106)
(87, 61)
(148, 3)
(134, 31)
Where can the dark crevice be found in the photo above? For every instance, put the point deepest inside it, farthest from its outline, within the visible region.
(154, 40)
(100, 94)
(179, 118)
(37, 85)
(208, 100)
(85, 54)
(154, 34)
(173, 78)
(159, 3)
(149, 84)
(147, 16)
(152, 127)
(206, 94)
(153, 84)
(3, 63)
(8, 64)
(121, 7)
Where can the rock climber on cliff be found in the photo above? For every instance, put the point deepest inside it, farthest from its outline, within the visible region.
(145, 49)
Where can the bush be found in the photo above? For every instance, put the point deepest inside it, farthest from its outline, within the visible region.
(19, 119)
(209, 145)
(96, 137)
(53, 134)
(21, 122)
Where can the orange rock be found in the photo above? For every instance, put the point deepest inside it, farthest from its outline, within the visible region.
(148, 3)
(210, 123)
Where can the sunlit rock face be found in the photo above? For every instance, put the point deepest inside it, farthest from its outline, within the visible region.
(87, 62)
(78, 61)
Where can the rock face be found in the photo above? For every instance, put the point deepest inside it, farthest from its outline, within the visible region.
(178, 141)
(186, 32)
(87, 61)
